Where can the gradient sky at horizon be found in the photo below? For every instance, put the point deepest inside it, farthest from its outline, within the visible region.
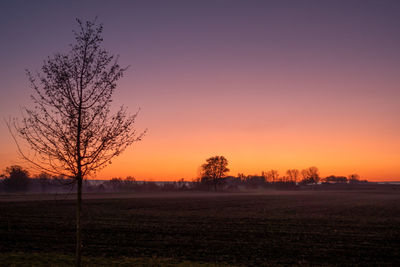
(268, 84)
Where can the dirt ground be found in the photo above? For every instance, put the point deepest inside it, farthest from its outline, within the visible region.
(253, 228)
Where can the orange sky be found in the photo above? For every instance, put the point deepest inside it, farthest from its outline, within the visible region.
(267, 85)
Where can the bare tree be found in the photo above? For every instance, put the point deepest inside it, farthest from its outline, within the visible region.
(214, 170)
(70, 127)
(310, 175)
(293, 175)
(272, 176)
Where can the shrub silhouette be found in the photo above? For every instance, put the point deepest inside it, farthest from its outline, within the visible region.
(16, 179)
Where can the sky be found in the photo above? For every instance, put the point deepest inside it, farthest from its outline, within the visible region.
(267, 84)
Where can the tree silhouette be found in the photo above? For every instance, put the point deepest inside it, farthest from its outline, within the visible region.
(16, 179)
(293, 175)
(70, 126)
(310, 175)
(214, 170)
(354, 178)
(272, 176)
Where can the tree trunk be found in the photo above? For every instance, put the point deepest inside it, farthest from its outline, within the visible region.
(78, 224)
(79, 169)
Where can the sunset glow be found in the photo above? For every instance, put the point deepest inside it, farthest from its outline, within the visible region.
(271, 85)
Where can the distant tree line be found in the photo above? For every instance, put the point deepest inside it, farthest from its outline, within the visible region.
(294, 179)
(16, 179)
(213, 176)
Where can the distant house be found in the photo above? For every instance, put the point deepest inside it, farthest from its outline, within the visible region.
(335, 180)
